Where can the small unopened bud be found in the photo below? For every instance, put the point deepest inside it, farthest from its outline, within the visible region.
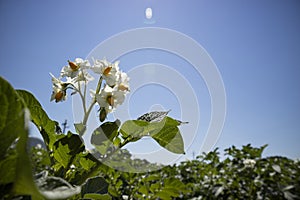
(102, 114)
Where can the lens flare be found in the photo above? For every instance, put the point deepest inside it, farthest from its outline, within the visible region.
(148, 13)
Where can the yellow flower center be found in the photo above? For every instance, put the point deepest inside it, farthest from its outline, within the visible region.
(110, 100)
(58, 96)
(73, 66)
(123, 87)
(106, 71)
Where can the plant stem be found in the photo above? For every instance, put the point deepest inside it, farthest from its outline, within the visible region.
(82, 98)
(126, 141)
(100, 163)
(88, 111)
(99, 85)
(84, 90)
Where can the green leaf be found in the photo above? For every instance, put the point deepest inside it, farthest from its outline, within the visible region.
(103, 147)
(176, 184)
(8, 169)
(152, 177)
(155, 187)
(95, 185)
(104, 136)
(4, 104)
(65, 149)
(117, 141)
(87, 163)
(24, 184)
(61, 154)
(165, 132)
(110, 129)
(14, 122)
(97, 196)
(173, 187)
(172, 122)
(113, 191)
(85, 166)
(10, 120)
(143, 190)
(46, 126)
(74, 143)
(107, 131)
(164, 195)
(170, 138)
(80, 128)
(134, 128)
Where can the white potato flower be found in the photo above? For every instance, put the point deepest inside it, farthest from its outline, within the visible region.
(59, 89)
(73, 69)
(109, 71)
(123, 81)
(109, 98)
(109, 94)
(83, 76)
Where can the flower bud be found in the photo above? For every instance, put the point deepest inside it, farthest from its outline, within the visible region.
(102, 114)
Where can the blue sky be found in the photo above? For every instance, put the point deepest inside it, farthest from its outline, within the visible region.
(255, 45)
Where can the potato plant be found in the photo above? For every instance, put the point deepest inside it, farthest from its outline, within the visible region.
(65, 169)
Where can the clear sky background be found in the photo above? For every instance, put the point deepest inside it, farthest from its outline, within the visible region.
(255, 45)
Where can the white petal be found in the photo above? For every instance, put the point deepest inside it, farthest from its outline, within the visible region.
(55, 80)
(110, 80)
(108, 89)
(78, 60)
(119, 97)
(101, 100)
(97, 70)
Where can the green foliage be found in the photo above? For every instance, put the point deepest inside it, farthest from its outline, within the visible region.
(95, 185)
(66, 149)
(165, 133)
(105, 135)
(11, 114)
(65, 152)
(48, 128)
(41, 159)
(80, 128)
(23, 183)
(15, 163)
(135, 129)
(242, 174)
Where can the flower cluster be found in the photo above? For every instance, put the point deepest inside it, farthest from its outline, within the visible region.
(114, 90)
(75, 72)
(108, 95)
